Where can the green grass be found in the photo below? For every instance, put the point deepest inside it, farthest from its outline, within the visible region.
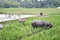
(29, 10)
(14, 30)
(50, 34)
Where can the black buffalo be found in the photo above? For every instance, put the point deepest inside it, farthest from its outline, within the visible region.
(40, 23)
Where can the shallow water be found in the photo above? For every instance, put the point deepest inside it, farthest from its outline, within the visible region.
(6, 17)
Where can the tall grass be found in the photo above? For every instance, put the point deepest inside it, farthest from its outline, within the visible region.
(14, 30)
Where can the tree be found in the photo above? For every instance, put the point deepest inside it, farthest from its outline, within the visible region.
(29, 3)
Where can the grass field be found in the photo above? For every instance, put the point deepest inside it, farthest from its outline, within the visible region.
(14, 30)
(28, 10)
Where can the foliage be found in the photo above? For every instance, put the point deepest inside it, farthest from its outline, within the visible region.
(29, 3)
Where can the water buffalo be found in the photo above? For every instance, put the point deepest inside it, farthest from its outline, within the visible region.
(22, 21)
(40, 23)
